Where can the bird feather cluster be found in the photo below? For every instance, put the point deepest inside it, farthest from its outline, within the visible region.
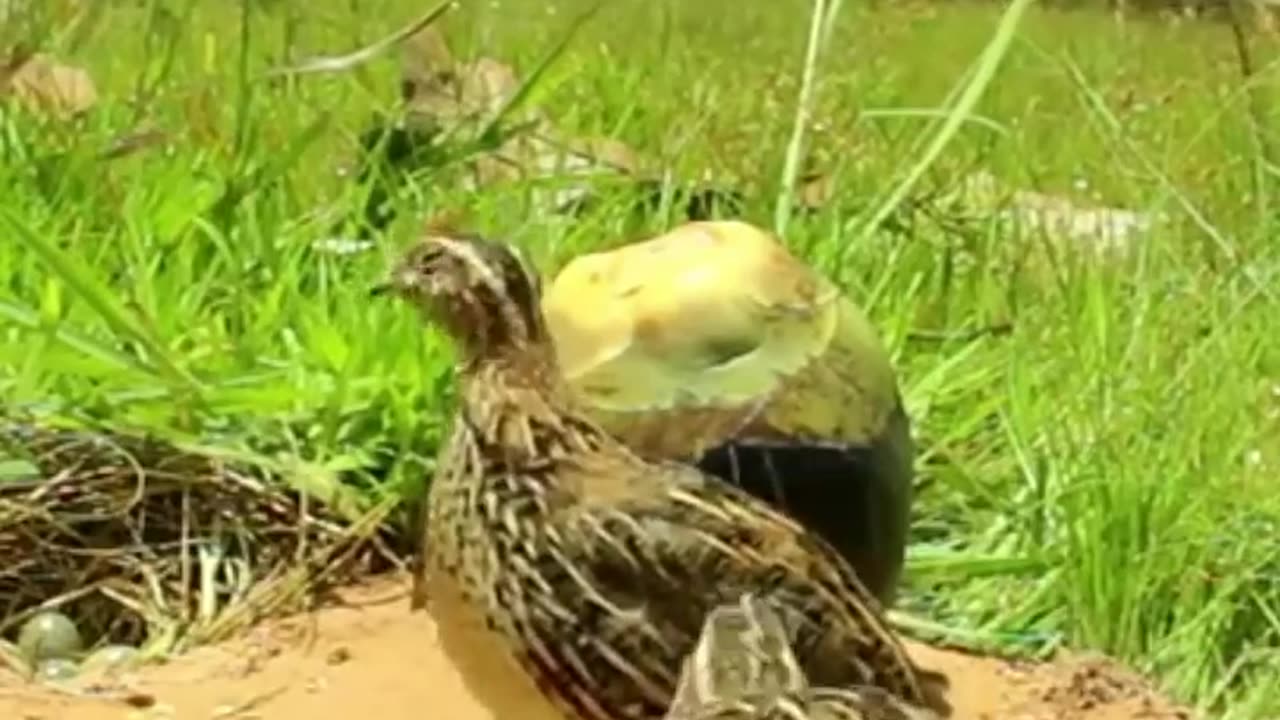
(743, 668)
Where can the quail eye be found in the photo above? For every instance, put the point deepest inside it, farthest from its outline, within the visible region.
(427, 259)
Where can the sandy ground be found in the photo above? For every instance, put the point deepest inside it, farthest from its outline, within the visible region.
(368, 657)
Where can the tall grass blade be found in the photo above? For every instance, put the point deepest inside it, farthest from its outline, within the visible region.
(81, 281)
(988, 64)
(821, 19)
(533, 82)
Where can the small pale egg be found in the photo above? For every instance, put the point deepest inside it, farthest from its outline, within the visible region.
(56, 670)
(49, 635)
(109, 658)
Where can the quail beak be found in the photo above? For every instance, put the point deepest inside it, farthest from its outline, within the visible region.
(397, 282)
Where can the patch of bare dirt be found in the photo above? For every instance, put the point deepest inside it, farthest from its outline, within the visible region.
(1079, 687)
(368, 656)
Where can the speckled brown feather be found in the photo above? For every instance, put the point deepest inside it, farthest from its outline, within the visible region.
(594, 567)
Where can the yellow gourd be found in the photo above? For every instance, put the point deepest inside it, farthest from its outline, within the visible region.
(712, 342)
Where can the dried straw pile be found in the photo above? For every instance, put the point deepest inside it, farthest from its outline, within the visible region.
(136, 539)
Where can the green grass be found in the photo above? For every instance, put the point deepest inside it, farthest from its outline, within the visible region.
(1101, 476)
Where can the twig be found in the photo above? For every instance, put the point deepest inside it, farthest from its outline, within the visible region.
(341, 63)
(994, 330)
(131, 142)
